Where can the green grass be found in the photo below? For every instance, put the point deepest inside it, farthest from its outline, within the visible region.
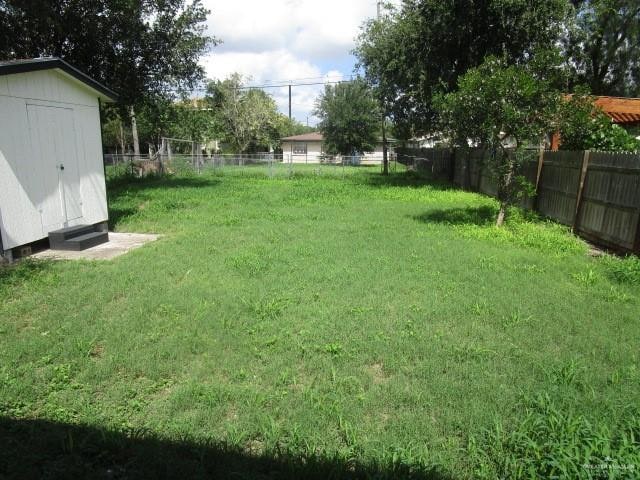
(340, 325)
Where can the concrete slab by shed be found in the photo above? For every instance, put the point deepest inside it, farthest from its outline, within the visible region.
(118, 244)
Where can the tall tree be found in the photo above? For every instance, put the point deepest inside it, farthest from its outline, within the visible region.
(249, 118)
(602, 46)
(141, 49)
(137, 48)
(423, 47)
(349, 117)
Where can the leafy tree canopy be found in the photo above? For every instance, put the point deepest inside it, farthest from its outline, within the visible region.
(602, 47)
(249, 119)
(349, 117)
(140, 49)
(422, 48)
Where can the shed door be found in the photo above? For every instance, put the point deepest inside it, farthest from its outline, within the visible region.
(54, 147)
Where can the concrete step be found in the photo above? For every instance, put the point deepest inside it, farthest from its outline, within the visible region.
(59, 236)
(81, 242)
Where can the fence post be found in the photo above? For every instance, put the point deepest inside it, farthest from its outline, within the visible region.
(636, 243)
(538, 176)
(540, 165)
(583, 175)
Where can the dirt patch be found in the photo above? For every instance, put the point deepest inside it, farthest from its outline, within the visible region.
(376, 371)
(96, 351)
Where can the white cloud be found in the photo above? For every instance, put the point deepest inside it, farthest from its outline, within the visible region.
(305, 27)
(285, 40)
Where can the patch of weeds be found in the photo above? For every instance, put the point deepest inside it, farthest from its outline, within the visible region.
(552, 442)
(587, 278)
(270, 308)
(347, 432)
(416, 308)
(480, 308)
(22, 271)
(567, 375)
(623, 270)
(360, 310)
(60, 377)
(616, 295)
(251, 263)
(463, 353)
(552, 238)
(515, 318)
(488, 263)
(529, 268)
(628, 374)
(229, 220)
(408, 329)
(334, 349)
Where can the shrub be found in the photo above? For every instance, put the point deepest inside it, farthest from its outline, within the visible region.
(584, 126)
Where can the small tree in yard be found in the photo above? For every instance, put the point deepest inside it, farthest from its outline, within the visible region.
(349, 118)
(502, 108)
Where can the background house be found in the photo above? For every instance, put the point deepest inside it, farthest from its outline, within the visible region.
(51, 166)
(309, 148)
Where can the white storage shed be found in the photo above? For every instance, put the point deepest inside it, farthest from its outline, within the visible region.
(51, 163)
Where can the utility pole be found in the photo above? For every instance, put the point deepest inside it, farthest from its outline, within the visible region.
(289, 102)
(385, 153)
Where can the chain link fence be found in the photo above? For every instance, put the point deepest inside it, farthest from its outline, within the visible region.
(268, 164)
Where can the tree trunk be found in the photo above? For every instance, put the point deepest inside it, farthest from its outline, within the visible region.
(122, 147)
(134, 133)
(504, 190)
(502, 213)
(385, 155)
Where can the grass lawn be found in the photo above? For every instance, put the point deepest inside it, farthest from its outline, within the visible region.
(345, 326)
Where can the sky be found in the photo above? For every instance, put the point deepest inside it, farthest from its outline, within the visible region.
(283, 40)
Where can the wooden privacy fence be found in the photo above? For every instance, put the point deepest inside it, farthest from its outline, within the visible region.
(597, 194)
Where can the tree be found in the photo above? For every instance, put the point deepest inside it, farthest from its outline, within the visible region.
(143, 50)
(349, 118)
(137, 48)
(423, 48)
(249, 118)
(602, 47)
(584, 126)
(501, 107)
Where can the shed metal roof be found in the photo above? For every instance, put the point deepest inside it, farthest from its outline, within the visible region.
(47, 63)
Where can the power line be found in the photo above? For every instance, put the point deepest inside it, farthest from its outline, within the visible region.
(248, 87)
(293, 84)
(294, 80)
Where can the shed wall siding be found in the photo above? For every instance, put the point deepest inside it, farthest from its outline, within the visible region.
(49, 85)
(21, 182)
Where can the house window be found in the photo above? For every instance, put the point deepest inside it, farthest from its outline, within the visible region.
(299, 148)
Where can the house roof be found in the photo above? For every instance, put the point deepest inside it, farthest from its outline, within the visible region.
(306, 137)
(47, 63)
(621, 110)
(317, 137)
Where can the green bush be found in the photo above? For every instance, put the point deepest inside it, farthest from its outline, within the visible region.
(584, 126)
